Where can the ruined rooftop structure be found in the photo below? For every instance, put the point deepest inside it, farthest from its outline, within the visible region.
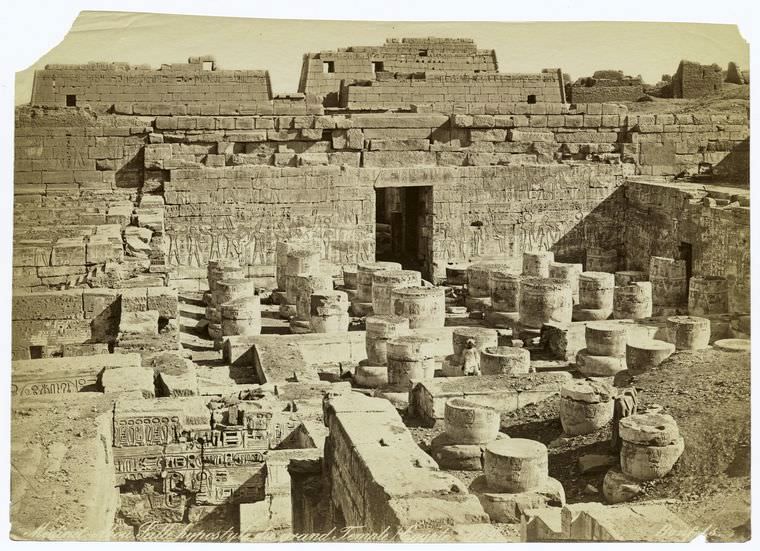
(420, 301)
(606, 86)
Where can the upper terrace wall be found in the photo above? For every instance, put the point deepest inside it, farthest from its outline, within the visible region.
(450, 93)
(209, 186)
(103, 84)
(322, 72)
(693, 80)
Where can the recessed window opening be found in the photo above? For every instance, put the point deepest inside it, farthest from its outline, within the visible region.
(71, 100)
(328, 66)
(378, 67)
(532, 98)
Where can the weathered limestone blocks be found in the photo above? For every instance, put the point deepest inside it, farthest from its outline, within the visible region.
(596, 296)
(601, 260)
(651, 445)
(688, 332)
(643, 354)
(536, 263)
(299, 262)
(329, 312)
(585, 406)
(410, 357)
(370, 376)
(618, 487)
(241, 316)
(708, 295)
(141, 322)
(349, 277)
(384, 282)
(504, 290)
(504, 360)
(516, 479)
(668, 277)
(121, 379)
(423, 306)
(545, 301)
(175, 376)
(633, 301)
(379, 330)
(567, 272)
(627, 277)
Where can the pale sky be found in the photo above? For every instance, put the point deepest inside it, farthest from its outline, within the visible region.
(648, 49)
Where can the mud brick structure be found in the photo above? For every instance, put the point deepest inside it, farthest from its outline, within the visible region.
(606, 87)
(693, 80)
(245, 313)
(322, 72)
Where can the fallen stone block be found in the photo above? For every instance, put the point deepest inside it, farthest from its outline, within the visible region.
(510, 507)
(505, 393)
(125, 379)
(139, 322)
(175, 376)
(58, 305)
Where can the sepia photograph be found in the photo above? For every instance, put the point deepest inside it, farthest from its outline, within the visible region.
(279, 280)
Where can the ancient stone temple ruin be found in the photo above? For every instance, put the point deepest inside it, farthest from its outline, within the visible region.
(421, 299)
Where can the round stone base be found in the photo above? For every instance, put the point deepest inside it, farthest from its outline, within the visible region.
(733, 345)
(457, 457)
(598, 366)
(508, 507)
(643, 355)
(300, 326)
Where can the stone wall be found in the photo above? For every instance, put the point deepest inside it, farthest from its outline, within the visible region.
(606, 87)
(450, 93)
(322, 72)
(714, 221)
(101, 85)
(693, 80)
(163, 194)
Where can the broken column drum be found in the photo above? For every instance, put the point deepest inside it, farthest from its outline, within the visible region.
(302, 286)
(456, 274)
(385, 281)
(228, 290)
(536, 263)
(241, 317)
(478, 277)
(217, 270)
(545, 301)
(329, 312)
(469, 423)
(504, 360)
(606, 338)
(688, 332)
(596, 290)
(651, 445)
(646, 354)
(423, 306)
(516, 465)
(379, 330)
(585, 406)
(364, 278)
(282, 249)
(410, 357)
(708, 295)
(601, 260)
(504, 289)
(567, 272)
(349, 277)
(668, 278)
(633, 301)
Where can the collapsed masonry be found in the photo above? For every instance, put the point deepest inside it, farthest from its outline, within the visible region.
(261, 291)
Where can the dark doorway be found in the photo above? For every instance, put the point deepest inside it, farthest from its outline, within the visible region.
(404, 226)
(71, 100)
(684, 253)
